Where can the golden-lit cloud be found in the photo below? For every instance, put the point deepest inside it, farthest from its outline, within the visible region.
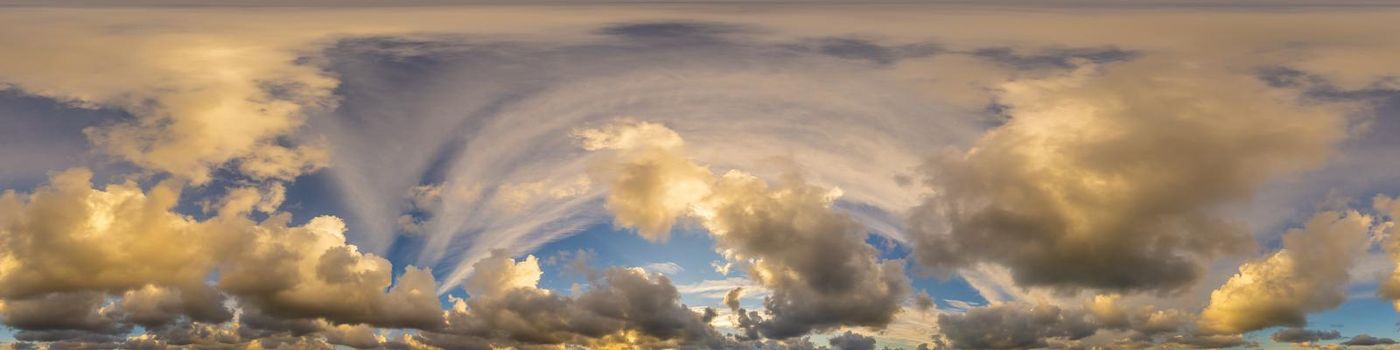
(73, 245)
(652, 183)
(1308, 275)
(198, 102)
(1106, 177)
(1389, 207)
(68, 236)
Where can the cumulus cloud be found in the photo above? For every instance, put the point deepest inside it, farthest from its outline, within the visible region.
(622, 307)
(1102, 321)
(1106, 177)
(74, 258)
(653, 183)
(499, 274)
(821, 272)
(852, 341)
(1312, 278)
(1389, 207)
(68, 236)
(814, 259)
(153, 306)
(289, 272)
(1110, 312)
(1309, 274)
(73, 311)
(1012, 326)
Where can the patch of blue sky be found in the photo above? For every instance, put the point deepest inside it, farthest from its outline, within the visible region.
(948, 293)
(690, 250)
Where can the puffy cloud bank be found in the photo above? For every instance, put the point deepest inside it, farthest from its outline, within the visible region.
(622, 307)
(1106, 178)
(114, 257)
(787, 237)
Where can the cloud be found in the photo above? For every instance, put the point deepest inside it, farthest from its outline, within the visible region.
(1271, 292)
(462, 133)
(1098, 180)
(1309, 274)
(1009, 326)
(75, 311)
(68, 236)
(821, 272)
(1101, 321)
(1053, 58)
(1218, 341)
(1300, 335)
(356, 336)
(668, 268)
(852, 341)
(718, 289)
(154, 306)
(500, 274)
(868, 50)
(1389, 207)
(652, 183)
(199, 102)
(814, 259)
(731, 299)
(100, 260)
(673, 33)
(621, 306)
(291, 271)
(1367, 340)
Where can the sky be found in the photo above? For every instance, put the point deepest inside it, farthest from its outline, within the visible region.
(699, 175)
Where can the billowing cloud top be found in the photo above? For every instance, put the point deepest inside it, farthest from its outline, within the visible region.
(699, 176)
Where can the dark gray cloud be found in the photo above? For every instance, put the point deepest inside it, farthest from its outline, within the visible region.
(1301, 335)
(152, 307)
(1058, 58)
(1013, 326)
(80, 312)
(852, 341)
(1318, 87)
(1368, 340)
(72, 337)
(1210, 341)
(674, 32)
(872, 51)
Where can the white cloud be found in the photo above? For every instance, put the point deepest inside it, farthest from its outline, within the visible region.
(668, 268)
